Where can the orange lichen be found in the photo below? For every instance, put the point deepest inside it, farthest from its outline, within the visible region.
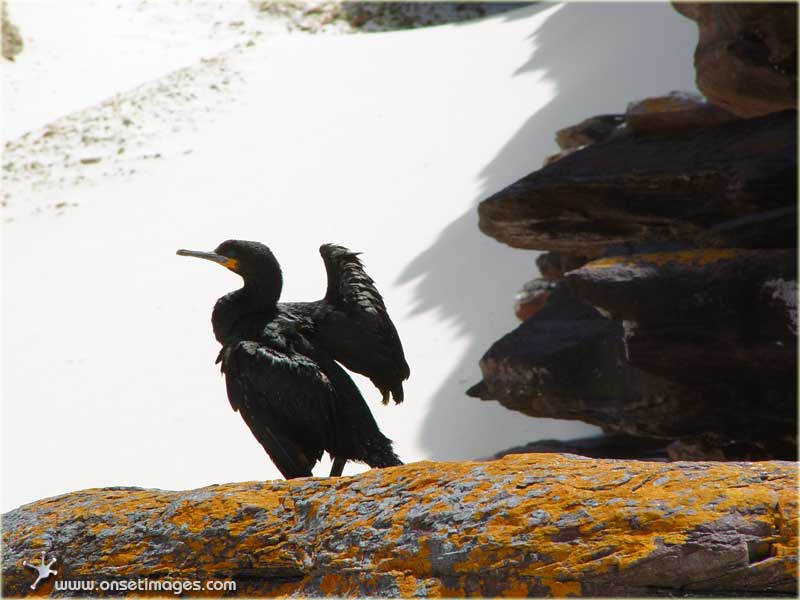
(693, 258)
(563, 589)
(525, 524)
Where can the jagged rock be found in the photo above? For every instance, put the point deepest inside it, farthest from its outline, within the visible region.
(673, 112)
(746, 55)
(570, 362)
(650, 116)
(567, 362)
(532, 298)
(617, 446)
(636, 189)
(553, 265)
(722, 322)
(702, 314)
(12, 40)
(531, 525)
(589, 131)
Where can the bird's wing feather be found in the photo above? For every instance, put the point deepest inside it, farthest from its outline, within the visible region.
(362, 325)
(348, 283)
(286, 401)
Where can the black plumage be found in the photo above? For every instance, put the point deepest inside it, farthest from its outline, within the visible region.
(352, 323)
(280, 376)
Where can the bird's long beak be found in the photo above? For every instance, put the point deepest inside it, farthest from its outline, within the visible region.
(230, 263)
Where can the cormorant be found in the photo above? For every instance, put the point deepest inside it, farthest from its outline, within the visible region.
(296, 400)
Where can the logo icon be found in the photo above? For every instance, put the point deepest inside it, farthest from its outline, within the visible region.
(44, 571)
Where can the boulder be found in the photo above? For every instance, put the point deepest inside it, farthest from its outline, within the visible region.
(746, 55)
(632, 189)
(531, 525)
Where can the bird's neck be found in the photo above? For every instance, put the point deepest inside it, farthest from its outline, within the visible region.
(257, 297)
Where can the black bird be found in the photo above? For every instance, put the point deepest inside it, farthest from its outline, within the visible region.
(296, 400)
(352, 323)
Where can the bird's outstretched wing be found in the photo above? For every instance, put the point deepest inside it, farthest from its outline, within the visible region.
(356, 329)
(285, 399)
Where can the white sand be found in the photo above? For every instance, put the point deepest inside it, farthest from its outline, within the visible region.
(381, 142)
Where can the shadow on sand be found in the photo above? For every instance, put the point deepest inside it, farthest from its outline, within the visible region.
(469, 278)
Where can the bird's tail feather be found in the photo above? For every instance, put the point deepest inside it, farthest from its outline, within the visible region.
(383, 456)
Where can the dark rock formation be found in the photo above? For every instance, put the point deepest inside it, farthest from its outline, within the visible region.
(659, 114)
(567, 362)
(570, 362)
(634, 189)
(531, 525)
(746, 56)
(704, 315)
(674, 227)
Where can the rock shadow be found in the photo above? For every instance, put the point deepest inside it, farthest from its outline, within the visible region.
(469, 278)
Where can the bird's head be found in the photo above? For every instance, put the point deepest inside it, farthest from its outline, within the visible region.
(253, 261)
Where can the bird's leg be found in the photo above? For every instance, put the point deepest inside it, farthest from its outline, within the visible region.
(338, 466)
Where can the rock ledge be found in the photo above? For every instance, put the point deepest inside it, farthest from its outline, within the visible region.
(535, 524)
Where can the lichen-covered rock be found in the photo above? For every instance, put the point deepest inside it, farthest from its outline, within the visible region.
(632, 189)
(530, 525)
(746, 55)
